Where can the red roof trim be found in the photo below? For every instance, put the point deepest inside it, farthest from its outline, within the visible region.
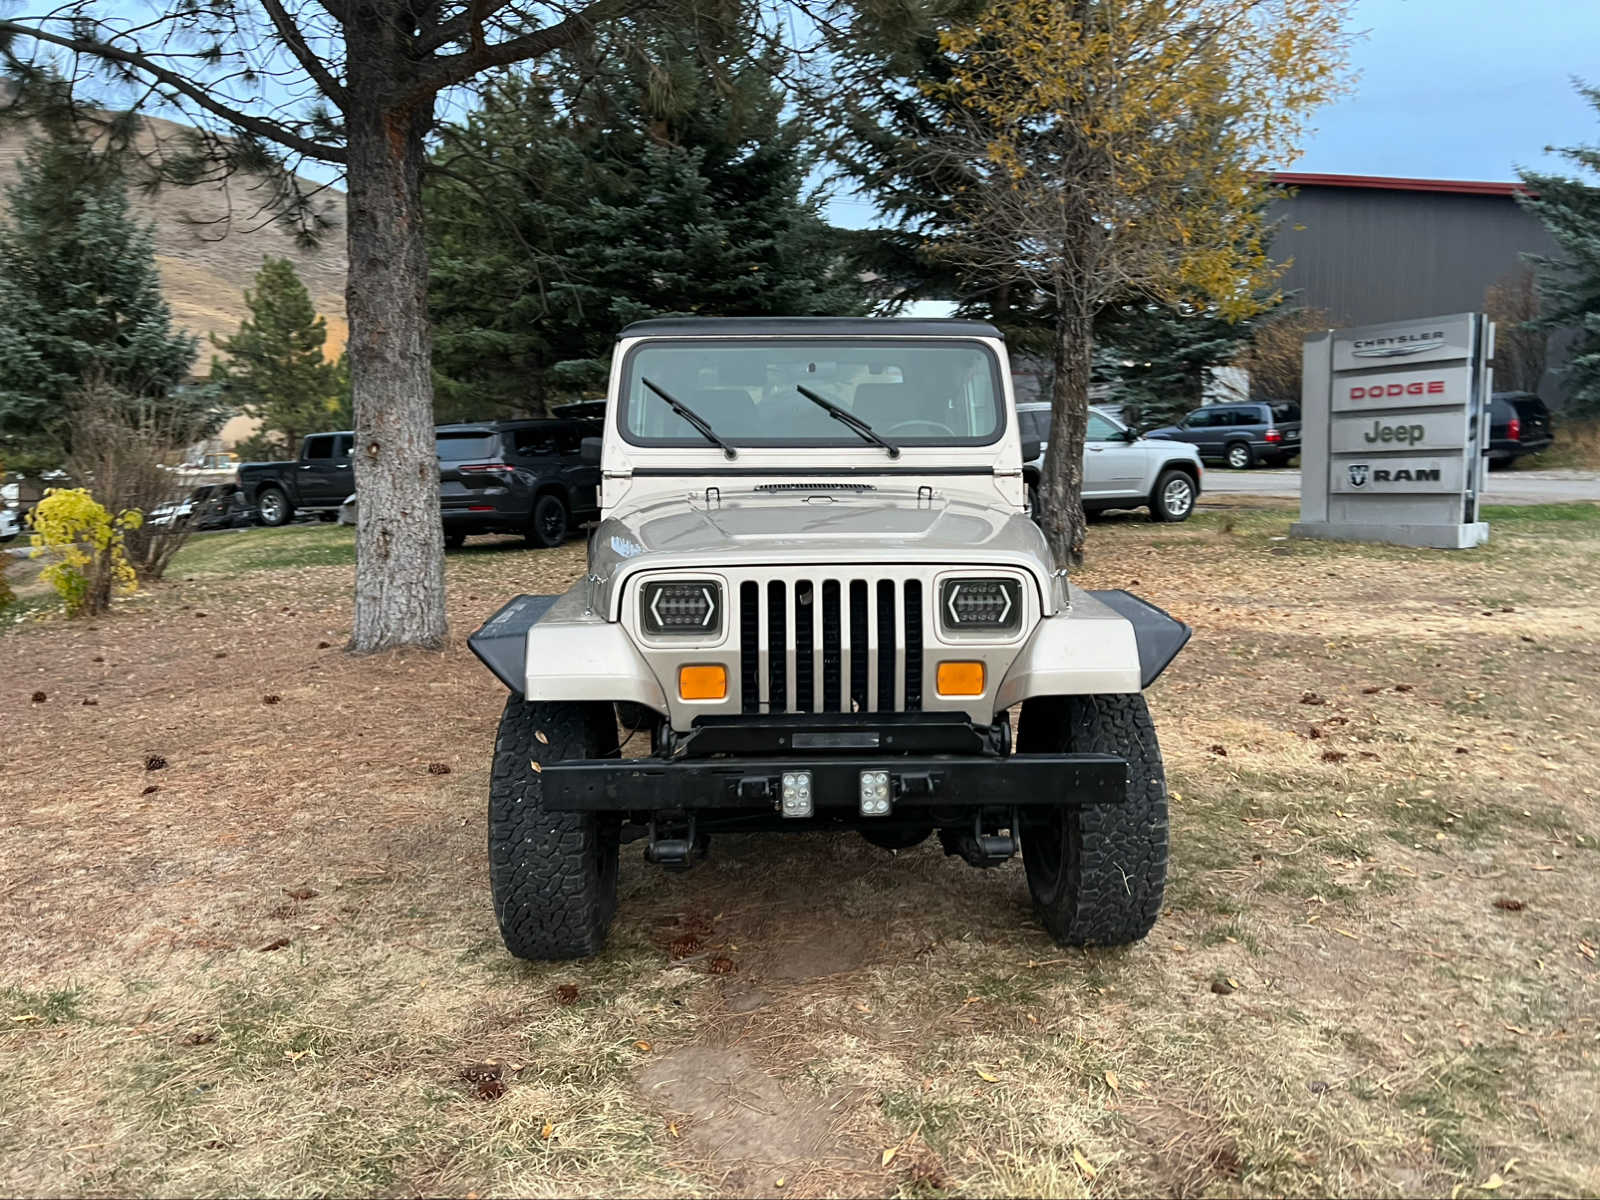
(1469, 187)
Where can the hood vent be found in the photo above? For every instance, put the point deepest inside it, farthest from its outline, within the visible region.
(815, 487)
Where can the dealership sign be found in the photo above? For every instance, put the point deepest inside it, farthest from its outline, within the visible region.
(1394, 428)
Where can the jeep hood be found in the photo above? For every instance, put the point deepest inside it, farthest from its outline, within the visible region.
(795, 528)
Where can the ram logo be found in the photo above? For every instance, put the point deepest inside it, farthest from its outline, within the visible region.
(1358, 475)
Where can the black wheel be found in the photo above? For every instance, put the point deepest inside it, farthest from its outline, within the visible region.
(273, 506)
(1238, 456)
(547, 526)
(454, 539)
(897, 839)
(553, 874)
(1097, 874)
(1173, 497)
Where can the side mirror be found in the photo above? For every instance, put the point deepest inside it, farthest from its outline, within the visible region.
(589, 451)
(1030, 449)
(1130, 435)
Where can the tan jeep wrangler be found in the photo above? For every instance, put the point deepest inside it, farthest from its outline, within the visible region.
(817, 588)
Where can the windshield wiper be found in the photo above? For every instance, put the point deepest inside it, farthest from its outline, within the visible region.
(694, 418)
(849, 420)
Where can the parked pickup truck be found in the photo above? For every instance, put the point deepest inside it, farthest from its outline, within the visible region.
(318, 481)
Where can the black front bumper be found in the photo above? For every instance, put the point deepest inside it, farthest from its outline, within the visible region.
(934, 781)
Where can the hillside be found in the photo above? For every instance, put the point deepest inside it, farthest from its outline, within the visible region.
(207, 260)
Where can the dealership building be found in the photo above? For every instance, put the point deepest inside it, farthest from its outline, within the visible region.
(1369, 249)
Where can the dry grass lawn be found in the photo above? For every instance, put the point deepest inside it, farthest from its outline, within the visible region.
(248, 945)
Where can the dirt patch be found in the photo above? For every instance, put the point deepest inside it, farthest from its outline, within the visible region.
(818, 953)
(731, 1111)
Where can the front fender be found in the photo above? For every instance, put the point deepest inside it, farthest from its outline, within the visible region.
(552, 648)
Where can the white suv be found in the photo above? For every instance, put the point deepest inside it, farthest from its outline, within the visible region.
(1120, 468)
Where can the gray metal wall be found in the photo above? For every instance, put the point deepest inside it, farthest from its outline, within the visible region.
(1370, 255)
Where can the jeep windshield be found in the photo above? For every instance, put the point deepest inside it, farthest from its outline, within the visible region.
(910, 391)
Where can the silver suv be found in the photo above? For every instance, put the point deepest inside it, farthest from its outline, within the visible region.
(1120, 468)
(816, 594)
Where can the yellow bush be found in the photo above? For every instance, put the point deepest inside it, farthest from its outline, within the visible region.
(86, 542)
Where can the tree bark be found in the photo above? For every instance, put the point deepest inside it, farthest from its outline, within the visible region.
(1061, 485)
(400, 597)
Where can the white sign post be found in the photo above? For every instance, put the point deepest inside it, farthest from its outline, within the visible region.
(1395, 422)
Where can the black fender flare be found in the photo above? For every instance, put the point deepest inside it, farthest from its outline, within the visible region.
(1158, 634)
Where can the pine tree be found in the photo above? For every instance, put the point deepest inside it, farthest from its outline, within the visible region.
(1156, 357)
(276, 369)
(1570, 285)
(622, 183)
(80, 299)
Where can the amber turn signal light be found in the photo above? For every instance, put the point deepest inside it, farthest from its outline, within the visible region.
(961, 679)
(705, 682)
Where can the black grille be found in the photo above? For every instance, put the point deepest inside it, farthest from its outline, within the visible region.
(846, 676)
(913, 643)
(749, 647)
(777, 639)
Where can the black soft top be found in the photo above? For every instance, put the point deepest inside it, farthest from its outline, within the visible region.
(809, 327)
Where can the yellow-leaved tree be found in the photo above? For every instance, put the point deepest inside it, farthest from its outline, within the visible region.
(1121, 148)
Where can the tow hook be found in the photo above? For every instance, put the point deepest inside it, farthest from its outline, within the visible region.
(981, 849)
(675, 843)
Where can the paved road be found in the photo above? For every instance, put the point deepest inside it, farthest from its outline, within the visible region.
(1505, 487)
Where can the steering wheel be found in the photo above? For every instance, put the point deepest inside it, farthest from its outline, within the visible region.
(933, 425)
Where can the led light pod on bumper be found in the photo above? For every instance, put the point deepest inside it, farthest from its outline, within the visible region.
(986, 605)
(874, 793)
(692, 606)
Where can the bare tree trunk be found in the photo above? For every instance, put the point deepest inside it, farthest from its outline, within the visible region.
(400, 598)
(1061, 487)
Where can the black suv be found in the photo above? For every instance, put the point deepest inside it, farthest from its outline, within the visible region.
(522, 477)
(1519, 423)
(1241, 435)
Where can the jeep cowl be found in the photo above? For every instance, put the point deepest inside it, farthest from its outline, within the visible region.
(816, 601)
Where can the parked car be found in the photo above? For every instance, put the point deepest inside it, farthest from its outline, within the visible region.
(1120, 468)
(10, 523)
(316, 482)
(210, 506)
(523, 477)
(1241, 435)
(1519, 423)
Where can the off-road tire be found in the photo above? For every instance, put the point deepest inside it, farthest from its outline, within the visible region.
(273, 507)
(1097, 874)
(1239, 456)
(553, 874)
(548, 523)
(1163, 507)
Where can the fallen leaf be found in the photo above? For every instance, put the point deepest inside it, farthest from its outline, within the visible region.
(1346, 933)
(1311, 698)
(1111, 1080)
(1371, 691)
(547, 1131)
(1334, 756)
(543, 741)
(1084, 1164)
(1509, 904)
(672, 1128)
(888, 1156)
(643, 1045)
(984, 1075)
(1493, 1183)
(151, 789)
(1403, 687)
(537, 769)
(567, 994)
(275, 944)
